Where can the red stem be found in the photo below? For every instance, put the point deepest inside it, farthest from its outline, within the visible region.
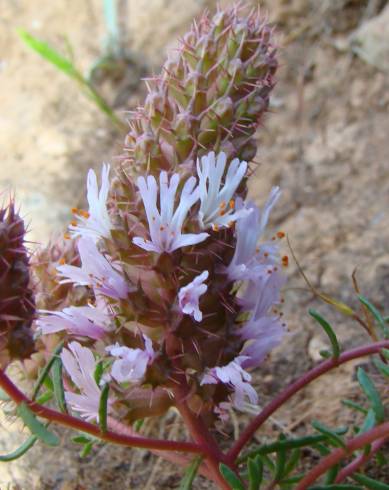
(377, 433)
(360, 460)
(292, 389)
(63, 419)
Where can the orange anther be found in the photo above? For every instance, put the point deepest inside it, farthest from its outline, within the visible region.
(73, 222)
(266, 254)
(62, 261)
(84, 214)
(285, 261)
(222, 205)
(66, 236)
(161, 228)
(215, 227)
(280, 234)
(232, 203)
(75, 210)
(222, 212)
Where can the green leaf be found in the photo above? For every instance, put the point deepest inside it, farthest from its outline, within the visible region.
(369, 422)
(355, 406)
(293, 461)
(377, 315)
(80, 439)
(103, 408)
(45, 371)
(86, 449)
(255, 470)
(59, 393)
(280, 465)
(332, 436)
(99, 370)
(290, 444)
(190, 473)
(369, 483)
(328, 330)
(44, 397)
(372, 394)
(331, 474)
(230, 477)
(49, 54)
(382, 367)
(385, 353)
(20, 451)
(138, 424)
(336, 486)
(36, 427)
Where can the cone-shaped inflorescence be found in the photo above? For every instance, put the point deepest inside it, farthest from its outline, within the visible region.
(17, 307)
(211, 95)
(180, 291)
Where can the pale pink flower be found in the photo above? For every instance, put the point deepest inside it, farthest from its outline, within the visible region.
(189, 295)
(217, 205)
(248, 259)
(166, 225)
(83, 321)
(234, 376)
(132, 363)
(96, 271)
(80, 365)
(96, 223)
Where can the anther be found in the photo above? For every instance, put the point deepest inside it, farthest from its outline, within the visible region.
(232, 203)
(280, 234)
(285, 261)
(66, 236)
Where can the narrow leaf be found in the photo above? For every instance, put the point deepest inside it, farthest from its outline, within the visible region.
(328, 330)
(20, 451)
(382, 367)
(36, 427)
(44, 397)
(43, 374)
(368, 482)
(385, 353)
(332, 436)
(355, 406)
(230, 477)
(99, 370)
(103, 408)
(255, 469)
(59, 393)
(293, 461)
(369, 422)
(86, 449)
(81, 439)
(372, 394)
(190, 473)
(336, 486)
(48, 53)
(377, 315)
(280, 465)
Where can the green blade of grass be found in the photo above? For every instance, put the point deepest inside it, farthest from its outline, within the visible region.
(328, 330)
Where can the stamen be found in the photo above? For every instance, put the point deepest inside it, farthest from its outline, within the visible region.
(232, 203)
(66, 236)
(84, 213)
(215, 227)
(285, 261)
(280, 234)
(62, 261)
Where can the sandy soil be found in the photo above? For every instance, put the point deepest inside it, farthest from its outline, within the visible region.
(325, 144)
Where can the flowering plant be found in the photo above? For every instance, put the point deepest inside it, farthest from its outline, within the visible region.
(166, 292)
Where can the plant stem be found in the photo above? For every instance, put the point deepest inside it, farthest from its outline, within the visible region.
(376, 434)
(202, 436)
(68, 421)
(360, 460)
(292, 389)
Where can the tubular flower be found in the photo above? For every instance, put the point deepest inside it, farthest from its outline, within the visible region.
(80, 365)
(83, 321)
(189, 295)
(96, 271)
(96, 222)
(217, 207)
(236, 377)
(132, 363)
(249, 229)
(165, 225)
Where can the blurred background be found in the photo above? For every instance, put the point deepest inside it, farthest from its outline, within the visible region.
(325, 143)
